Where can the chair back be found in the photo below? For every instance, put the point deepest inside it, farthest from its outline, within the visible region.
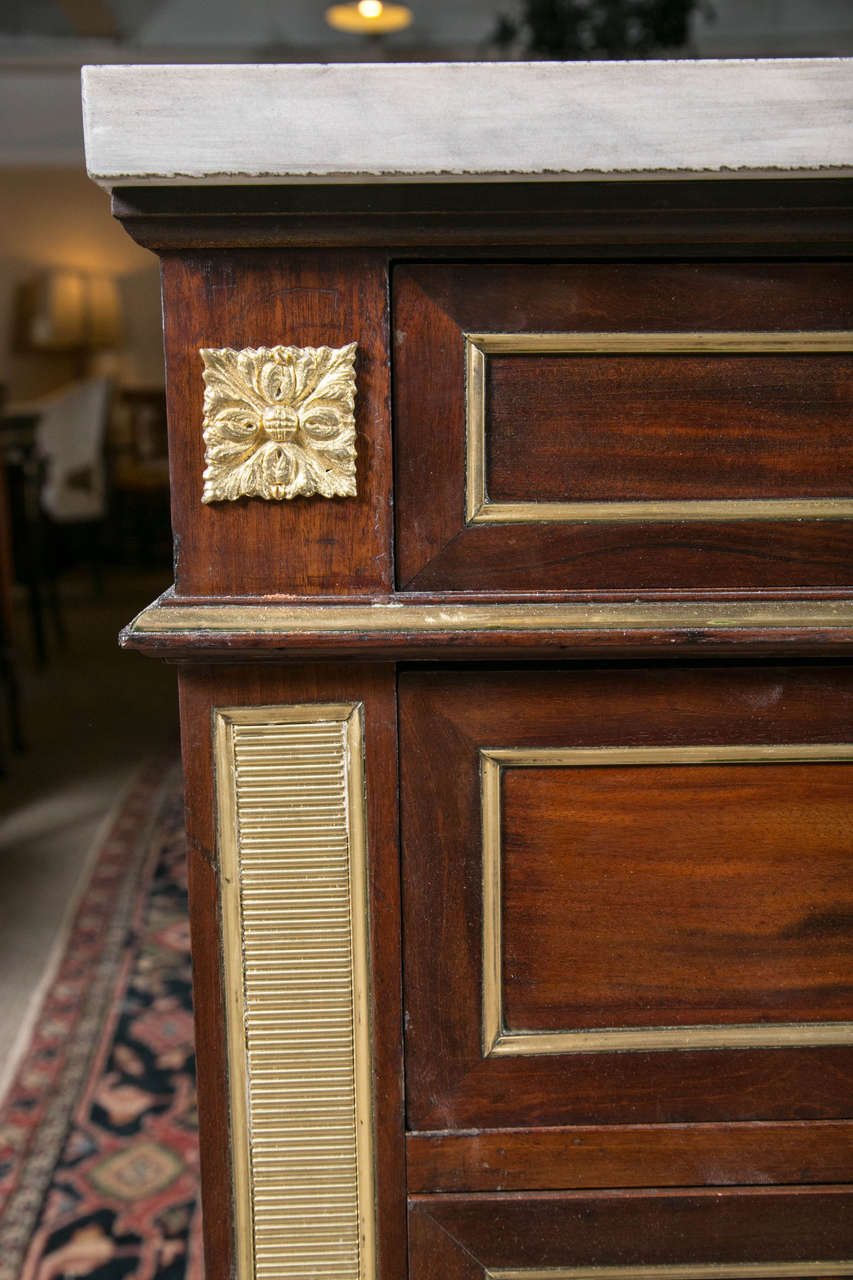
(70, 439)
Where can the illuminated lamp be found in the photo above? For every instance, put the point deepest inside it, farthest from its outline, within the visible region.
(369, 17)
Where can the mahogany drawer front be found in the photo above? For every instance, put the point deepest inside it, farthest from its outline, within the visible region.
(753, 1234)
(610, 427)
(626, 895)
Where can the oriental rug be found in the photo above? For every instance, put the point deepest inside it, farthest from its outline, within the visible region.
(98, 1131)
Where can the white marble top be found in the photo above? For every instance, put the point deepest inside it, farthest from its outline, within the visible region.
(496, 121)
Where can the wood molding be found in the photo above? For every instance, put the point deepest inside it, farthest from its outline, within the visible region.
(543, 1158)
(736, 217)
(397, 626)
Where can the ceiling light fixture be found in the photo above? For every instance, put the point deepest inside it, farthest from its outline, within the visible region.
(369, 17)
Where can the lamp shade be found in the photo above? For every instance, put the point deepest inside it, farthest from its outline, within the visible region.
(58, 317)
(70, 310)
(104, 312)
(369, 17)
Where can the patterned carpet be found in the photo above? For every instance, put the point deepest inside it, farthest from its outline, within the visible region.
(98, 1150)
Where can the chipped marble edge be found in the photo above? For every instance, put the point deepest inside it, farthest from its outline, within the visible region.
(459, 122)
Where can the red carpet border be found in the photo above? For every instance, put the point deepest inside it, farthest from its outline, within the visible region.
(98, 1145)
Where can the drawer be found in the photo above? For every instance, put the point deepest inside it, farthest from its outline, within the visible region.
(623, 427)
(646, 1235)
(626, 898)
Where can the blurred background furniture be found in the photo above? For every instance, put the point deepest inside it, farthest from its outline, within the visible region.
(11, 731)
(139, 527)
(70, 439)
(30, 565)
(54, 450)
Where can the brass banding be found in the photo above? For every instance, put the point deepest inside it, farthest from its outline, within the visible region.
(405, 618)
(479, 346)
(497, 1039)
(681, 1271)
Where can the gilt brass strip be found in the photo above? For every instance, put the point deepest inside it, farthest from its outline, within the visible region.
(681, 1271)
(490, 784)
(734, 342)
(395, 617)
(497, 1040)
(480, 510)
(295, 944)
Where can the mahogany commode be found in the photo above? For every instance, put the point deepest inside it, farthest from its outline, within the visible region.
(513, 652)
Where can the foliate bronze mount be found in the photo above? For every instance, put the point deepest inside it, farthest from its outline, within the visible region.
(279, 422)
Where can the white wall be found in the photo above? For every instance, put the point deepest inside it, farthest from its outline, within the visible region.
(58, 218)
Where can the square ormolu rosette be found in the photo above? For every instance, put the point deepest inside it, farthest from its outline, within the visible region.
(279, 422)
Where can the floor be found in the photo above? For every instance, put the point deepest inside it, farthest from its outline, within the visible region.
(91, 714)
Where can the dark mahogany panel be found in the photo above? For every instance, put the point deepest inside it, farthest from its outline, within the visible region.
(645, 428)
(629, 1229)
(254, 547)
(602, 428)
(782, 871)
(671, 895)
(631, 1155)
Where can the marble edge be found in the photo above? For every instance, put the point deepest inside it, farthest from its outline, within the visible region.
(454, 122)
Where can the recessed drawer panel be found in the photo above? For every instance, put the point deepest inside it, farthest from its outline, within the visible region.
(627, 896)
(655, 897)
(732, 1234)
(646, 427)
(610, 427)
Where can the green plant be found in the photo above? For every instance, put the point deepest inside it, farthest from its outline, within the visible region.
(569, 29)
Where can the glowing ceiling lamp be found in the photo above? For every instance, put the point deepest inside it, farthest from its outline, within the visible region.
(369, 17)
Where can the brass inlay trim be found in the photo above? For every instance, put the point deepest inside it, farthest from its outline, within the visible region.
(478, 508)
(279, 422)
(401, 616)
(293, 875)
(497, 1040)
(681, 1271)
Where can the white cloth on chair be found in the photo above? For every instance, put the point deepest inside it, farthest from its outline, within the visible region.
(70, 439)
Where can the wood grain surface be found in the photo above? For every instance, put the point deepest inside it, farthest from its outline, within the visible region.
(305, 545)
(449, 1083)
(434, 1254)
(211, 1072)
(606, 428)
(673, 895)
(434, 305)
(612, 1155)
(643, 1228)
